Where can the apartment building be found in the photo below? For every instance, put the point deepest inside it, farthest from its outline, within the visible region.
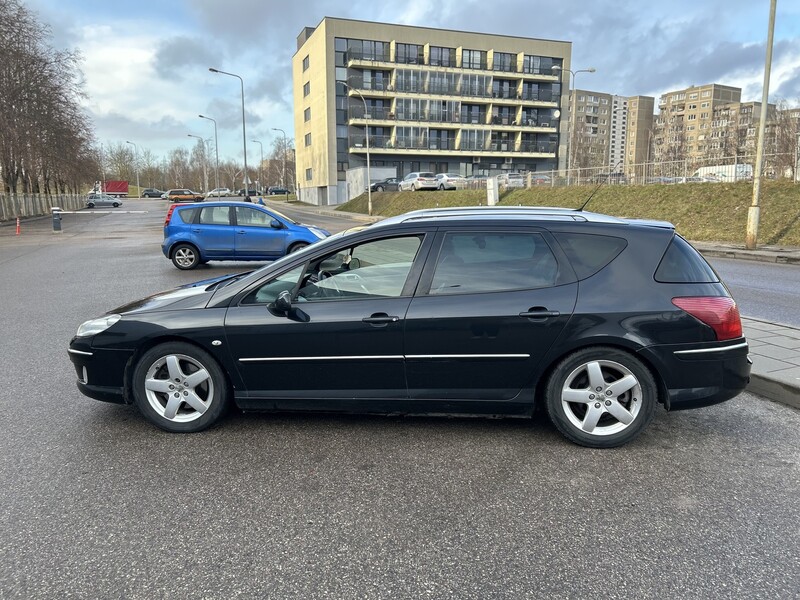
(684, 123)
(639, 134)
(618, 133)
(734, 129)
(429, 100)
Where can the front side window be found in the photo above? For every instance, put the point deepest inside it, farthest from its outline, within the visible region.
(252, 217)
(377, 269)
(474, 262)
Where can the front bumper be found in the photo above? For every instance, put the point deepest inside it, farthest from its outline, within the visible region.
(700, 375)
(101, 373)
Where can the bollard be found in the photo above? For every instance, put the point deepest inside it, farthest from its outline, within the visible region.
(17, 225)
(56, 219)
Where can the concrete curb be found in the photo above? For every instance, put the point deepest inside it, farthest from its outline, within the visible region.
(772, 389)
(764, 254)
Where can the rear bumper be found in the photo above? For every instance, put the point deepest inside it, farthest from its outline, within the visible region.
(701, 374)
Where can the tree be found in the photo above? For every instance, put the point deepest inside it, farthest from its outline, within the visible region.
(786, 128)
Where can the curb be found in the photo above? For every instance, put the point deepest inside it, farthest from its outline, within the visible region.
(792, 258)
(773, 389)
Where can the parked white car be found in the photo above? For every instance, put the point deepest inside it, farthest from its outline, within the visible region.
(419, 181)
(219, 193)
(451, 181)
(511, 180)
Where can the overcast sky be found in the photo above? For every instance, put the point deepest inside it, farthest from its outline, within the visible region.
(146, 61)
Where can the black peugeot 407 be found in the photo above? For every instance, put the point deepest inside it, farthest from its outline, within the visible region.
(453, 311)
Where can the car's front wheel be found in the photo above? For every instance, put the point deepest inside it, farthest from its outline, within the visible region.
(601, 397)
(295, 247)
(379, 188)
(180, 387)
(185, 257)
(115, 204)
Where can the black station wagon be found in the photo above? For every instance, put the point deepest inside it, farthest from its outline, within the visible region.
(486, 310)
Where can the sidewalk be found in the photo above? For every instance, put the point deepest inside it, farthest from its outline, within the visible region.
(774, 348)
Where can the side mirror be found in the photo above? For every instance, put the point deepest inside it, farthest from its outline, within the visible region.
(275, 224)
(283, 303)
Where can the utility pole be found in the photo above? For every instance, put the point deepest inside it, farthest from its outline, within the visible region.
(754, 212)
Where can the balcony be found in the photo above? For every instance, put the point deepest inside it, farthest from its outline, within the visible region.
(387, 144)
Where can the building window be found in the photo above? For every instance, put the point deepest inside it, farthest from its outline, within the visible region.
(307, 114)
(305, 63)
(443, 57)
(408, 53)
(473, 59)
(308, 174)
(503, 61)
(306, 88)
(308, 139)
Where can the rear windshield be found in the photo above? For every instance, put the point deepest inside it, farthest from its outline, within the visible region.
(589, 253)
(683, 264)
(427, 175)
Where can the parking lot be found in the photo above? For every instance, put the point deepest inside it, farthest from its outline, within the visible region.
(96, 503)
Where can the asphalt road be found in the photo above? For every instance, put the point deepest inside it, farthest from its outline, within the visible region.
(763, 290)
(95, 503)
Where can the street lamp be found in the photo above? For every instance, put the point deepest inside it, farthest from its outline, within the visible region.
(136, 165)
(244, 132)
(216, 150)
(366, 121)
(285, 148)
(261, 146)
(573, 113)
(205, 169)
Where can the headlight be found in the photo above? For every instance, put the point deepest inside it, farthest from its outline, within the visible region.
(317, 233)
(96, 326)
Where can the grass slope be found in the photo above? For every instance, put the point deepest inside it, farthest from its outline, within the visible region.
(700, 211)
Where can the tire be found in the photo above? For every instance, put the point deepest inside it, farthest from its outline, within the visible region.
(185, 257)
(379, 188)
(596, 418)
(115, 204)
(180, 387)
(297, 246)
(413, 187)
(441, 187)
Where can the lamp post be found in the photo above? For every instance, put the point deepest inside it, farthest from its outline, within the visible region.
(573, 113)
(216, 150)
(366, 121)
(136, 165)
(244, 131)
(205, 167)
(285, 148)
(261, 147)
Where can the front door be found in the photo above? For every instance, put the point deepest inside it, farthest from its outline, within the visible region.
(341, 340)
(255, 236)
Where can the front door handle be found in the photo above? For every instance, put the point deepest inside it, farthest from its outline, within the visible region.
(380, 319)
(539, 312)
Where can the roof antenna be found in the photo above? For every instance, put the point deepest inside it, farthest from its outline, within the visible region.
(599, 186)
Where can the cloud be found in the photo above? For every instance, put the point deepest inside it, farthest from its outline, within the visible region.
(178, 57)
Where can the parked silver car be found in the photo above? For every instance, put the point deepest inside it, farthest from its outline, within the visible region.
(451, 181)
(94, 200)
(511, 180)
(419, 181)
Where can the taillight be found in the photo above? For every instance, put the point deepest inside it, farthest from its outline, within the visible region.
(718, 312)
(169, 214)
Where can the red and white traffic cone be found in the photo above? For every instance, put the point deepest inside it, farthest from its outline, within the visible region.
(17, 225)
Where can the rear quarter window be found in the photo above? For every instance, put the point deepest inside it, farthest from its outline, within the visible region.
(681, 263)
(589, 253)
(187, 215)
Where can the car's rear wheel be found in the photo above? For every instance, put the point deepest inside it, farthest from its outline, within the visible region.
(379, 188)
(185, 257)
(90, 205)
(441, 187)
(180, 387)
(601, 397)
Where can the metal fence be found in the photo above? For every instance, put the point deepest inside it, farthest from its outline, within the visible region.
(34, 205)
(713, 170)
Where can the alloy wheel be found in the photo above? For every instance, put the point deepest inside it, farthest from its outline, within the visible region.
(179, 388)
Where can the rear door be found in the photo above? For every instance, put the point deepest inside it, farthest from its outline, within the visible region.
(212, 232)
(488, 308)
(255, 236)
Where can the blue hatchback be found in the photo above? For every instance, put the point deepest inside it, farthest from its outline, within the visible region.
(197, 233)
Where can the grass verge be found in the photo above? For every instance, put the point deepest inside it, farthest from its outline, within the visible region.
(700, 211)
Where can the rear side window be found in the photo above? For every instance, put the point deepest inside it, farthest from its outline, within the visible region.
(590, 253)
(188, 215)
(683, 264)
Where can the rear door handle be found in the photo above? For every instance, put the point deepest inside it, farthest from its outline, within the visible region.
(241, 232)
(380, 319)
(539, 313)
